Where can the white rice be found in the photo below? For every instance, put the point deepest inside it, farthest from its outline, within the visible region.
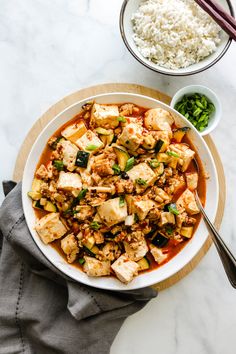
(174, 33)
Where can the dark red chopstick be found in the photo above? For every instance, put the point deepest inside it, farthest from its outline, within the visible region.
(224, 20)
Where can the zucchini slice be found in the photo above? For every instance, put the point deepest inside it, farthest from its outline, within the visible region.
(82, 158)
(159, 240)
(163, 157)
(49, 206)
(103, 131)
(186, 231)
(122, 157)
(34, 195)
(179, 133)
(91, 252)
(159, 145)
(37, 205)
(110, 138)
(143, 264)
(90, 242)
(36, 185)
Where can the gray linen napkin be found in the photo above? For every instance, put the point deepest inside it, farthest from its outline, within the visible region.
(43, 311)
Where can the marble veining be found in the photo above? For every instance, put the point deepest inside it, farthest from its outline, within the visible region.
(52, 48)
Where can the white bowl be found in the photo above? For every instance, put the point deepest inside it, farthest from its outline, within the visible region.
(214, 117)
(127, 10)
(142, 280)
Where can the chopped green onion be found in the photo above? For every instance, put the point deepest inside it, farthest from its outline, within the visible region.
(91, 147)
(141, 181)
(129, 164)
(116, 169)
(154, 163)
(172, 153)
(81, 261)
(197, 108)
(95, 225)
(172, 209)
(121, 119)
(82, 194)
(58, 165)
(122, 201)
(136, 218)
(169, 230)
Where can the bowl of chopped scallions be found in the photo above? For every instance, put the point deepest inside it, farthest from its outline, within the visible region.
(200, 106)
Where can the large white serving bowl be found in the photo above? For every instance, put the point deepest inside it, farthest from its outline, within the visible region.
(151, 277)
(129, 7)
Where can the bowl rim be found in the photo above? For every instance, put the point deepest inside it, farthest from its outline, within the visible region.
(160, 71)
(113, 287)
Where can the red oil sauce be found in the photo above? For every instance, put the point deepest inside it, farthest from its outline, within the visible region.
(172, 248)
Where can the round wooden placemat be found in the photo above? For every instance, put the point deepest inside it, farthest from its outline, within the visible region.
(133, 88)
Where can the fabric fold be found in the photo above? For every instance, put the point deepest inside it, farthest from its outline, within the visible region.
(43, 310)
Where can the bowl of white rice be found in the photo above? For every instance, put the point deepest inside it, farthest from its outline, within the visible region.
(173, 37)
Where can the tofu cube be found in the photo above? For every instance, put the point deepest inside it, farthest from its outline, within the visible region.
(89, 142)
(138, 252)
(187, 202)
(125, 269)
(192, 180)
(111, 212)
(158, 119)
(69, 152)
(185, 155)
(74, 132)
(131, 136)
(158, 254)
(105, 115)
(143, 171)
(142, 207)
(69, 181)
(70, 247)
(95, 268)
(166, 218)
(50, 228)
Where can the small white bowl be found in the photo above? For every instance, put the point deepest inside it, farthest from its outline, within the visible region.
(214, 117)
(129, 7)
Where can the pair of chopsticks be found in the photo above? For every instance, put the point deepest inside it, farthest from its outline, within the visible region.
(224, 20)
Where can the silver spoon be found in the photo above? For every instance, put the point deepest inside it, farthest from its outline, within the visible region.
(227, 258)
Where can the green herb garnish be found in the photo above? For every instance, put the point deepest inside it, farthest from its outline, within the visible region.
(81, 194)
(172, 209)
(81, 261)
(58, 164)
(169, 230)
(121, 119)
(116, 169)
(129, 164)
(141, 181)
(172, 153)
(95, 225)
(136, 218)
(197, 108)
(121, 201)
(91, 147)
(154, 163)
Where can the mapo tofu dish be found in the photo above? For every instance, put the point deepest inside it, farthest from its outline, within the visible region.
(113, 191)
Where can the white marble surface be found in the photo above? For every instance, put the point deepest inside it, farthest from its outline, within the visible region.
(52, 48)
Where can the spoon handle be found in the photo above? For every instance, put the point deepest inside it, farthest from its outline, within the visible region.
(227, 258)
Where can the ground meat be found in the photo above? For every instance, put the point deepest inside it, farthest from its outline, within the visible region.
(124, 186)
(99, 238)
